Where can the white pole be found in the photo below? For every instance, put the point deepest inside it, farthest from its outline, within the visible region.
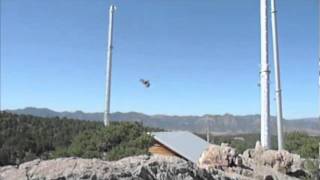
(208, 130)
(277, 73)
(319, 63)
(319, 70)
(264, 76)
(109, 68)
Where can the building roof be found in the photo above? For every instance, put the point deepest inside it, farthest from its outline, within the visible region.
(183, 143)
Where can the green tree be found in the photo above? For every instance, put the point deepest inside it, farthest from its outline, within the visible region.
(302, 144)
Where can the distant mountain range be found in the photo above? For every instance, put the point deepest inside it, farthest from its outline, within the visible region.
(219, 124)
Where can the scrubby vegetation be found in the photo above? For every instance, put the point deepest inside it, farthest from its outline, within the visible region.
(296, 142)
(118, 140)
(301, 143)
(240, 142)
(25, 137)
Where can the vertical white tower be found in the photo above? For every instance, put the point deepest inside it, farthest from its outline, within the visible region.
(319, 63)
(106, 118)
(208, 130)
(264, 76)
(277, 73)
(319, 70)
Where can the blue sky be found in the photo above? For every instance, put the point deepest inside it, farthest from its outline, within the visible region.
(202, 57)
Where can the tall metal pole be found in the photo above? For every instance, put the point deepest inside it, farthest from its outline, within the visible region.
(208, 130)
(277, 73)
(319, 73)
(319, 156)
(319, 64)
(109, 68)
(264, 77)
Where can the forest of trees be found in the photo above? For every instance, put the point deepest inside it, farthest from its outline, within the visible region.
(295, 142)
(24, 138)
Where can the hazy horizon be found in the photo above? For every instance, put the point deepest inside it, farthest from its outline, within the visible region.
(164, 114)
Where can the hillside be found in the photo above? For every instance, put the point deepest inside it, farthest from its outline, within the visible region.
(26, 137)
(220, 124)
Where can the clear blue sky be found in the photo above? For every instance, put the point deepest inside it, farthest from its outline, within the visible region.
(202, 57)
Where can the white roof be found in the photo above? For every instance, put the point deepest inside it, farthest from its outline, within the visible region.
(183, 143)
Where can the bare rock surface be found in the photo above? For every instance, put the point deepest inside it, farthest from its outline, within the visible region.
(219, 157)
(137, 167)
(258, 163)
(281, 161)
(216, 163)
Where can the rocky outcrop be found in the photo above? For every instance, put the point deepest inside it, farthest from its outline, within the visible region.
(217, 162)
(137, 167)
(258, 163)
(281, 160)
(219, 157)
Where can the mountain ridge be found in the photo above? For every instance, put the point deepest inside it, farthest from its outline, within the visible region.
(220, 124)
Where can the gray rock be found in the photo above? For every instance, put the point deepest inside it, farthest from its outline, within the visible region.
(276, 164)
(137, 167)
(258, 163)
(220, 157)
(216, 163)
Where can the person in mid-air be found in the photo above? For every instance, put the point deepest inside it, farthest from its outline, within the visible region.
(146, 83)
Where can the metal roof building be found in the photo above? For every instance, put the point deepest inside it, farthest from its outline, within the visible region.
(182, 143)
